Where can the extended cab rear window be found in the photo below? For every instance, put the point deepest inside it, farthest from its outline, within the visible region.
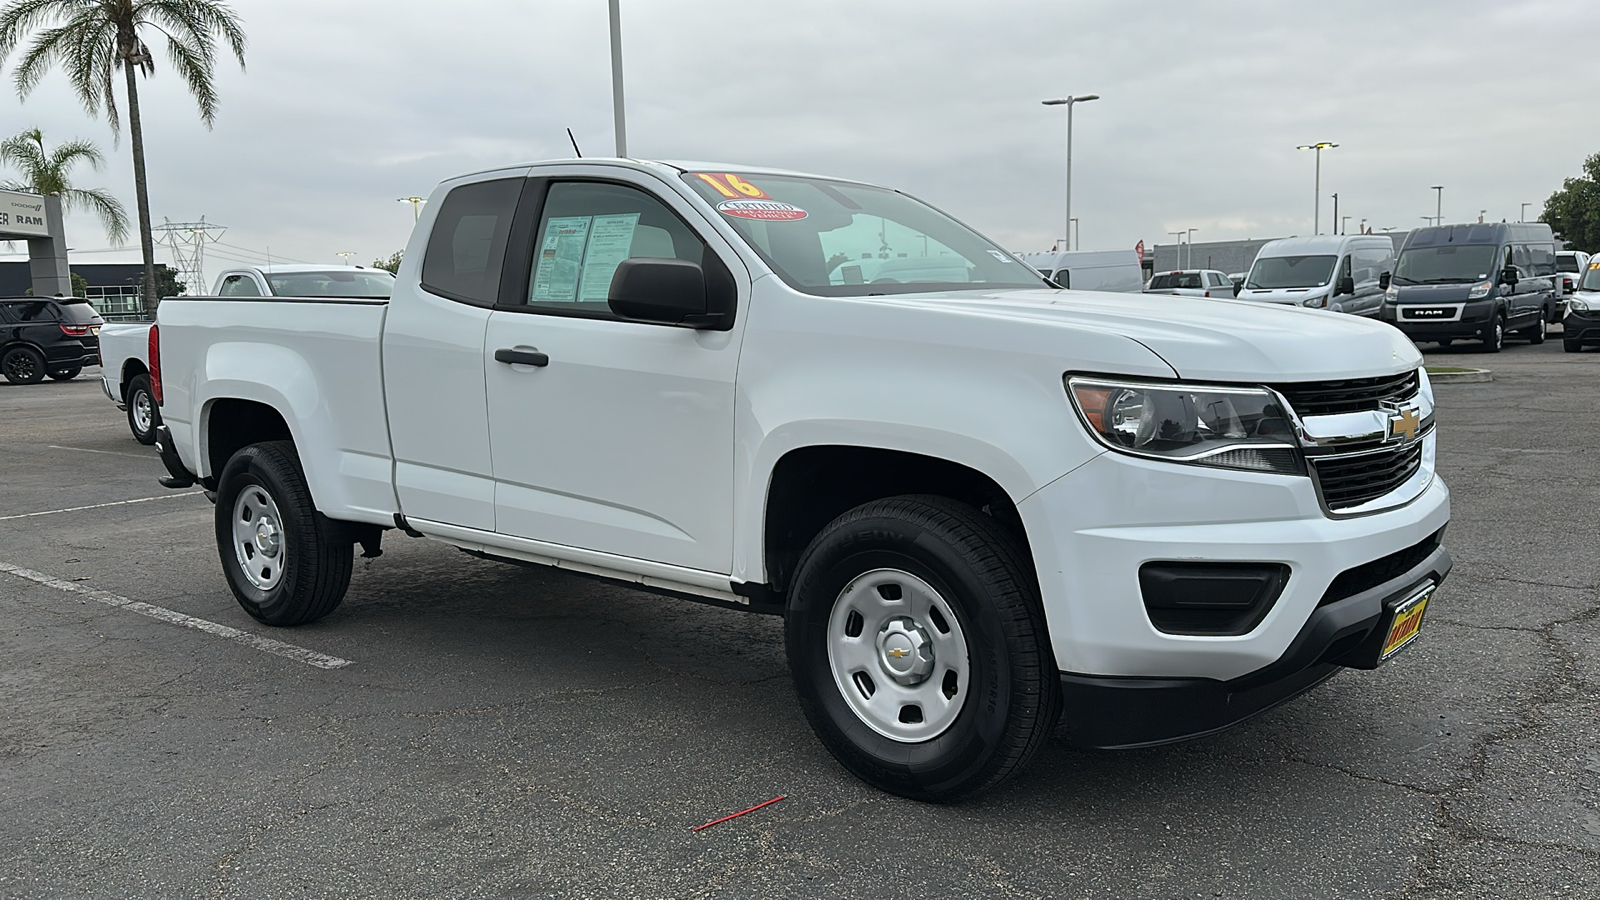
(468, 243)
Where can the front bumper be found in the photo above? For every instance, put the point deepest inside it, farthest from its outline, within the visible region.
(1091, 530)
(1119, 713)
(1581, 328)
(1474, 320)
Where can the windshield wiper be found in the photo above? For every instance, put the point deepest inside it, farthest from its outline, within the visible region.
(1448, 281)
(1401, 279)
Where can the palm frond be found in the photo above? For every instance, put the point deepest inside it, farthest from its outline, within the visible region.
(105, 207)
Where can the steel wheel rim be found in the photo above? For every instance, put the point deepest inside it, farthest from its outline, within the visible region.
(258, 540)
(141, 411)
(898, 655)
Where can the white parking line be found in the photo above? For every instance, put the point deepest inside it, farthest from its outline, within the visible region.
(254, 641)
(105, 452)
(51, 512)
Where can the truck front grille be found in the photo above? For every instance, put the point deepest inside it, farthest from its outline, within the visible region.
(1319, 398)
(1351, 480)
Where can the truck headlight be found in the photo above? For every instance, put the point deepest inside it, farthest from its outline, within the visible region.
(1316, 302)
(1391, 295)
(1225, 427)
(1480, 291)
(1574, 304)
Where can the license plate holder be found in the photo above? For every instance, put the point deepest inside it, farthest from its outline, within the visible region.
(1404, 623)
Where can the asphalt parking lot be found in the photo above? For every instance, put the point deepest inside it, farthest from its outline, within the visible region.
(504, 731)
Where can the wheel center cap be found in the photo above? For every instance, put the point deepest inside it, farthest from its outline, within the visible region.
(267, 538)
(905, 650)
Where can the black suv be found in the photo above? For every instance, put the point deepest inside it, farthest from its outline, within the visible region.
(47, 337)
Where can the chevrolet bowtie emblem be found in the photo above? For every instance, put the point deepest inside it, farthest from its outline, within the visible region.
(897, 653)
(1404, 423)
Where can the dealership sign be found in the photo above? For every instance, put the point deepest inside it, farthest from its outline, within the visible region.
(22, 216)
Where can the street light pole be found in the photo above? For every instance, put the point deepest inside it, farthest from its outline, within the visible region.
(1524, 216)
(1191, 248)
(1178, 263)
(1438, 207)
(1344, 224)
(1335, 212)
(1068, 102)
(415, 202)
(1316, 206)
(616, 80)
(1077, 235)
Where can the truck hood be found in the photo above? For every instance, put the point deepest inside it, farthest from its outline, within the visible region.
(1282, 295)
(1203, 339)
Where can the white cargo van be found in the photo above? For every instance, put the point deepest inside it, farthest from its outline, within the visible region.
(1090, 270)
(1342, 272)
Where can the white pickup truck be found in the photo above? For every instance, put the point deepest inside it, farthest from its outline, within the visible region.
(980, 503)
(124, 356)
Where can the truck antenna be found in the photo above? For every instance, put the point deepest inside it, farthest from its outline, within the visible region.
(574, 143)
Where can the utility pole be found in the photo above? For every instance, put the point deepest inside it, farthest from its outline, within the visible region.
(188, 242)
(617, 105)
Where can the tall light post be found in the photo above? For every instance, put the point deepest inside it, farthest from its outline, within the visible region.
(1191, 248)
(1068, 102)
(1438, 206)
(1316, 206)
(1523, 217)
(1344, 224)
(344, 256)
(1077, 235)
(616, 80)
(1178, 263)
(416, 203)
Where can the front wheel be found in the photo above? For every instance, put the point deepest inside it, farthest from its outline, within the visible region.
(1572, 346)
(919, 650)
(23, 365)
(1494, 338)
(286, 563)
(1535, 332)
(143, 414)
(66, 374)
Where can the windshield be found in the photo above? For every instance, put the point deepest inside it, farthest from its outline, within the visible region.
(334, 283)
(1591, 278)
(1290, 272)
(835, 239)
(1458, 264)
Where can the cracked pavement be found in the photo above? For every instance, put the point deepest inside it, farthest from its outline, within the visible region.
(506, 731)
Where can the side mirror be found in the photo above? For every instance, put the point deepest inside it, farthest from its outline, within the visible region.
(1567, 287)
(1237, 287)
(1383, 282)
(1508, 275)
(1347, 285)
(666, 291)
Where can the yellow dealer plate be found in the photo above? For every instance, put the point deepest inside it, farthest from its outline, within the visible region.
(1405, 624)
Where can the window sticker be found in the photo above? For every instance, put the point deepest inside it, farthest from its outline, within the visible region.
(560, 257)
(732, 186)
(1002, 257)
(765, 210)
(610, 242)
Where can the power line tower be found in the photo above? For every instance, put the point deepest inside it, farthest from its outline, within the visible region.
(188, 242)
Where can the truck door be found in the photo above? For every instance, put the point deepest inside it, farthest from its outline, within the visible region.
(433, 357)
(608, 434)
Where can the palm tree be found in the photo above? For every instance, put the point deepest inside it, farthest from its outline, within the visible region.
(94, 38)
(46, 173)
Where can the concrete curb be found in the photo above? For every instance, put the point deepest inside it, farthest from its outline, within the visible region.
(1468, 377)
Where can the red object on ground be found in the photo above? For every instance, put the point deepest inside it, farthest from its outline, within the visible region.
(738, 814)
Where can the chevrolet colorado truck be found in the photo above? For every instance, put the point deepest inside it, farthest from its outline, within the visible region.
(981, 504)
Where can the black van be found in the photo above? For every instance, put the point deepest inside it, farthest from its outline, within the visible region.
(47, 337)
(1475, 281)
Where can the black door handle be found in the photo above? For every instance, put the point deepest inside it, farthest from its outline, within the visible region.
(521, 357)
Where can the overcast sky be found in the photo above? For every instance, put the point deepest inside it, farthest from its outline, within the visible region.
(349, 104)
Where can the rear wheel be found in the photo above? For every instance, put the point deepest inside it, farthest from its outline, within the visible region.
(66, 374)
(1572, 346)
(1445, 342)
(23, 365)
(918, 648)
(143, 414)
(286, 563)
(1535, 333)
(1494, 337)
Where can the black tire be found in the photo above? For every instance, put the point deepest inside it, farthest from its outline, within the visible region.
(1535, 332)
(1572, 346)
(66, 374)
(984, 578)
(1445, 342)
(1494, 338)
(23, 365)
(313, 560)
(141, 403)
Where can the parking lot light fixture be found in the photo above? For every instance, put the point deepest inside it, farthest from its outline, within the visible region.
(1070, 102)
(1523, 216)
(1191, 248)
(1178, 262)
(1316, 204)
(416, 203)
(1438, 206)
